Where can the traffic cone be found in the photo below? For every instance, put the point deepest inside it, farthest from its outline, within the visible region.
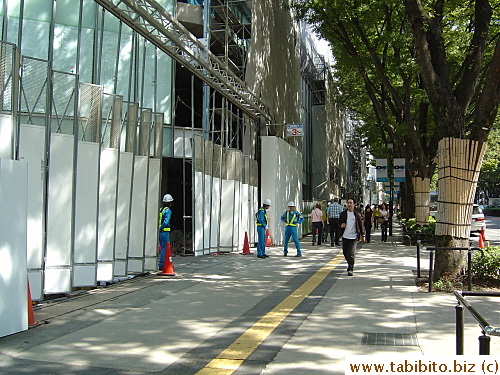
(481, 241)
(168, 266)
(246, 246)
(269, 241)
(31, 315)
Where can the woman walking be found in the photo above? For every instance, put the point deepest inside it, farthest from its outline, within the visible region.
(384, 221)
(317, 223)
(368, 222)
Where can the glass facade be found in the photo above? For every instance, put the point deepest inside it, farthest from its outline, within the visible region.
(79, 37)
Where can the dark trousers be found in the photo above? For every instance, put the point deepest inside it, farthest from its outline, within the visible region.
(383, 228)
(334, 230)
(317, 226)
(368, 232)
(349, 251)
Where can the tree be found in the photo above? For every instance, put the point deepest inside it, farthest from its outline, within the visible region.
(431, 71)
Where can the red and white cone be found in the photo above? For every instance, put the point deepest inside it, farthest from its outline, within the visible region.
(246, 246)
(168, 266)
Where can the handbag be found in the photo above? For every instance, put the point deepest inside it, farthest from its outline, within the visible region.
(381, 219)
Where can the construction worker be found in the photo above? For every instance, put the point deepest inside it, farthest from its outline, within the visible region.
(291, 218)
(262, 224)
(164, 227)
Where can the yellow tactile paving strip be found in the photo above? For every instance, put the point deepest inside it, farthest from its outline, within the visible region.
(233, 356)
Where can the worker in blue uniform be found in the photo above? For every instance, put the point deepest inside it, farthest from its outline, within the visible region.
(291, 218)
(164, 227)
(262, 225)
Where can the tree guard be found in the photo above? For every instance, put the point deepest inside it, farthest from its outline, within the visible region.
(458, 171)
(421, 187)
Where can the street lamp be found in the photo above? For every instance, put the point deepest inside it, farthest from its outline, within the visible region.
(390, 173)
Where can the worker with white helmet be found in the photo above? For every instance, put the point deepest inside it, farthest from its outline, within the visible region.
(262, 225)
(164, 227)
(291, 218)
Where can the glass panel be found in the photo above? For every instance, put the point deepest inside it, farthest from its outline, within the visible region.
(168, 148)
(164, 86)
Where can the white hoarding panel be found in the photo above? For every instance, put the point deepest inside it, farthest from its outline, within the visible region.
(13, 274)
(215, 213)
(86, 203)
(120, 268)
(57, 280)
(237, 215)
(138, 209)
(6, 136)
(35, 279)
(135, 266)
(151, 242)
(104, 271)
(108, 182)
(198, 212)
(84, 276)
(281, 170)
(32, 151)
(60, 201)
(150, 264)
(245, 214)
(207, 189)
(126, 164)
(226, 217)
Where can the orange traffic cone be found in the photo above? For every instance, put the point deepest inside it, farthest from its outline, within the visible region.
(246, 246)
(31, 315)
(269, 241)
(481, 241)
(168, 266)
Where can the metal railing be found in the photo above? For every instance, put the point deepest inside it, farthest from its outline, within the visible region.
(487, 329)
(469, 262)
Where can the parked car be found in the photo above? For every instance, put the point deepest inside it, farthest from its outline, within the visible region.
(478, 220)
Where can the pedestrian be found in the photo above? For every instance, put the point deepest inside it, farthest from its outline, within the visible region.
(262, 225)
(326, 227)
(383, 220)
(376, 214)
(317, 223)
(333, 212)
(291, 218)
(368, 222)
(353, 230)
(164, 227)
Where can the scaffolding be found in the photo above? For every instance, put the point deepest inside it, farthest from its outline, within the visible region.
(230, 33)
(155, 24)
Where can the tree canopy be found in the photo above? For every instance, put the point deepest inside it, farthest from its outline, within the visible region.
(414, 71)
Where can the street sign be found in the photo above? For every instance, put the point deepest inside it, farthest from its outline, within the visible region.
(294, 130)
(382, 170)
(399, 170)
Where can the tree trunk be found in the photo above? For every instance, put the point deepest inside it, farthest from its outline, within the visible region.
(458, 170)
(422, 187)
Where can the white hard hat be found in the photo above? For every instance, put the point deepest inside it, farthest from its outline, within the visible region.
(167, 198)
(291, 204)
(267, 202)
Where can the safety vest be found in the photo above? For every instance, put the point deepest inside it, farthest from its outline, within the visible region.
(160, 219)
(290, 222)
(265, 215)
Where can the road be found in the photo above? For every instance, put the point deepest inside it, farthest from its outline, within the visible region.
(493, 230)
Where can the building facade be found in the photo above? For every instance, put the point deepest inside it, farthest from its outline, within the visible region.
(108, 105)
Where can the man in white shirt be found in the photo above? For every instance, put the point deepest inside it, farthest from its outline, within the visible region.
(351, 224)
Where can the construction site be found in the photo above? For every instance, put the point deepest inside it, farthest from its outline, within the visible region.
(107, 105)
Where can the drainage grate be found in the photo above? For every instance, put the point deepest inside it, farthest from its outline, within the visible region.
(389, 339)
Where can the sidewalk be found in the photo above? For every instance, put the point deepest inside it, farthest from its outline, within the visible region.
(176, 325)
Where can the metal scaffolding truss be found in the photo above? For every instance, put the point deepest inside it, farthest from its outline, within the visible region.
(149, 19)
